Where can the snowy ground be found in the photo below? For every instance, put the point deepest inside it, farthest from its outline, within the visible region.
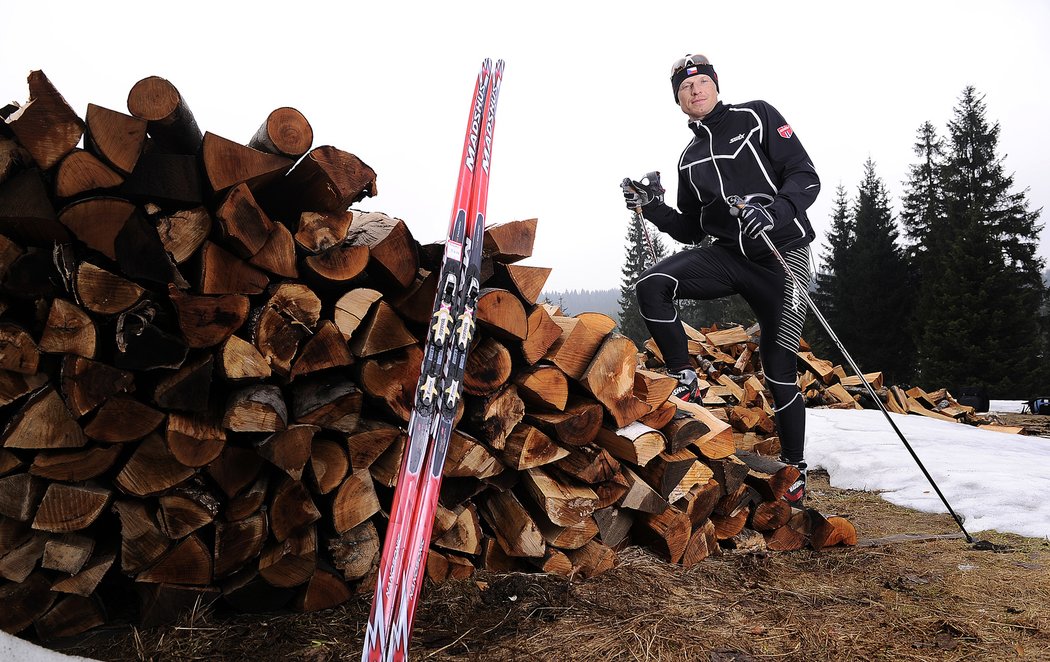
(993, 480)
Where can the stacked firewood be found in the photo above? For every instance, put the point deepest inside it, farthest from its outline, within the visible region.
(209, 360)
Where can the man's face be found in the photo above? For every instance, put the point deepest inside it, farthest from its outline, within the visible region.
(697, 95)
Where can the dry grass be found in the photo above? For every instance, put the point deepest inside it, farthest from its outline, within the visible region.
(938, 600)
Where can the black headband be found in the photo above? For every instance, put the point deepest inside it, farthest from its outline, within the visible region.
(690, 71)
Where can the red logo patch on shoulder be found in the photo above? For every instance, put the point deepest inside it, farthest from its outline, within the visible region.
(785, 131)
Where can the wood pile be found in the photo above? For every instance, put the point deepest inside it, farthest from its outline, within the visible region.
(209, 360)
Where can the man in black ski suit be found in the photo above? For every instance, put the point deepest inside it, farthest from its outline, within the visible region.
(737, 150)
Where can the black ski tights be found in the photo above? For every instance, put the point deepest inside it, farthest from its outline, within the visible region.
(711, 272)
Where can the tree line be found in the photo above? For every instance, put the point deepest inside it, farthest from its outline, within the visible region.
(948, 292)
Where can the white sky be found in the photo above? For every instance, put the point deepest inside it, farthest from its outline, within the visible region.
(586, 99)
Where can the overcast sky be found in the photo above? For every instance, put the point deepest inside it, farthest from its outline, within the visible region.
(586, 99)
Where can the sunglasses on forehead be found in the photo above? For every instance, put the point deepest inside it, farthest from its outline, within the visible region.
(688, 61)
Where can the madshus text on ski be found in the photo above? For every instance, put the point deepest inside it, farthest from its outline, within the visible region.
(438, 391)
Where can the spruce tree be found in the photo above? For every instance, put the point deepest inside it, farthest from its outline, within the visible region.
(832, 276)
(875, 298)
(984, 292)
(922, 207)
(636, 261)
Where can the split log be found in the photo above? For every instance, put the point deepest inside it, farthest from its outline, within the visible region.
(356, 552)
(115, 137)
(257, 408)
(610, 378)
(292, 509)
(592, 559)
(580, 339)
(501, 314)
(640, 496)
(493, 417)
(562, 503)
(325, 350)
(468, 458)
(393, 379)
(239, 360)
(324, 590)
(589, 464)
(543, 386)
(104, 292)
(635, 443)
(510, 242)
(830, 531)
(326, 179)
(770, 477)
(245, 226)
(515, 530)
(673, 475)
(700, 502)
(464, 535)
(614, 524)
(183, 232)
(194, 440)
(351, 309)
(277, 256)
(70, 616)
(328, 465)
(792, 536)
(20, 494)
(289, 449)
(382, 331)
(97, 221)
(702, 543)
(43, 422)
(488, 367)
(152, 469)
(717, 442)
(526, 282)
(81, 172)
(85, 581)
(540, 335)
(354, 502)
(141, 541)
(123, 419)
(235, 469)
(285, 132)
(653, 388)
(46, 126)
(667, 532)
(74, 466)
(291, 562)
(392, 250)
(69, 330)
(369, 441)
(527, 447)
(224, 273)
(770, 515)
(163, 178)
(25, 602)
(228, 163)
(186, 510)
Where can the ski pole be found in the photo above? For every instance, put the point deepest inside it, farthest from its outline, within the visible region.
(654, 181)
(739, 202)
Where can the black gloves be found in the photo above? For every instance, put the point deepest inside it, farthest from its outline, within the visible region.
(754, 219)
(636, 194)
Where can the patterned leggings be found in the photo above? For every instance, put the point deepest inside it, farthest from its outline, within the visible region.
(710, 272)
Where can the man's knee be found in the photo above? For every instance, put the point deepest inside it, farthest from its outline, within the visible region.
(655, 287)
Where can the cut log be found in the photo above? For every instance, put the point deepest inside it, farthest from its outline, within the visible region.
(702, 543)
(228, 163)
(543, 386)
(291, 562)
(194, 440)
(792, 536)
(235, 468)
(640, 496)
(69, 330)
(250, 501)
(653, 388)
(464, 535)
(526, 282)
(25, 601)
(527, 447)
(501, 314)
(277, 256)
(326, 179)
(515, 530)
(578, 425)
(356, 552)
(830, 531)
(352, 308)
(285, 132)
(152, 469)
(123, 419)
(324, 590)
(682, 431)
(770, 515)
(241, 361)
(183, 232)
(672, 475)
(589, 464)
(18, 352)
(580, 339)
(18, 564)
(488, 367)
(43, 422)
(327, 401)
(729, 472)
(393, 379)
(277, 339)
(610, 378)
(667, 532)
(86, 384)
(223, 273)
(728, 526)
(71, 616)
(614, 524)
(317, 231)
(141, 540)
(163, 178)
(171, 122)
(592, 559)
(104, 292)
(289, 449)
(81, 172)
(700, 501)
(563, 504)
(770, 477)
(325, 350)
(46, 125)
(354, 502)
(468, 458)
(88, 578)
(328, 465)
(74, 466)
(368, 441)
(717, 442)
(510, 242)
(382, 331)
(292, 509)
(245, 226)
(185, 510)
(635, 443)
(70, 507)
(188, 563)
(256, 408)
(97, 221)
(494, 417)
(188, 388)
(20, 494)
(114, 137)
(392, 250)
(540, 335)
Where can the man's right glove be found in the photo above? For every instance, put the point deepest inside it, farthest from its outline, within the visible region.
(754, 220)
(637, 194)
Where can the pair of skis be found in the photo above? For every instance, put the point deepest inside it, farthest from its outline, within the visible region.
(407, 540)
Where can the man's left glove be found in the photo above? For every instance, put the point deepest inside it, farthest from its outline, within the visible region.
(754, 219)
(636, 194)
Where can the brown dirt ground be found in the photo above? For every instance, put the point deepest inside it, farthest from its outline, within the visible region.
(932, 600)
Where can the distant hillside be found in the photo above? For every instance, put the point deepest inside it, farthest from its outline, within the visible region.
(586, 301)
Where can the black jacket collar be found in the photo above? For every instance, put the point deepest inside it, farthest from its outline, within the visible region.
(716, 114)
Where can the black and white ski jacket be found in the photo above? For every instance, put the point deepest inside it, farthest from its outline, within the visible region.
(740, 149)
